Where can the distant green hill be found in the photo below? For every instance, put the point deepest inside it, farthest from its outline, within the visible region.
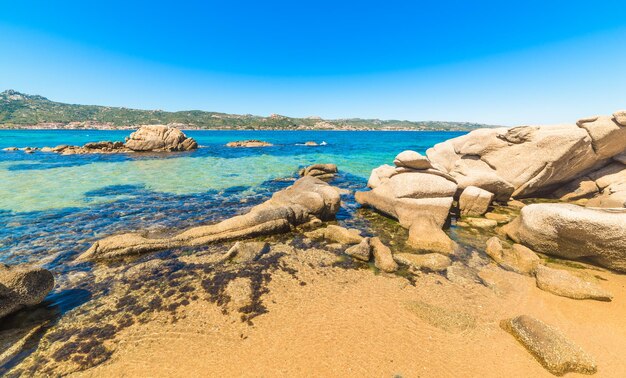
(18, 110)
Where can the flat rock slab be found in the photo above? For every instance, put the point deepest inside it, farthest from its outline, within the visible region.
(565, 284)
(549, 346)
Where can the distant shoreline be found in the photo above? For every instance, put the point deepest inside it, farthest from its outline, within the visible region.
(227, 129)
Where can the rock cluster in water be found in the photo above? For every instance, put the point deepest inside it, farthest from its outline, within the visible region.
(249, 143)
(148, 138)
(568, 162)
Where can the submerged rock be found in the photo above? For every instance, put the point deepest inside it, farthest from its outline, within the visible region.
(307, 199)
(249, 143)
(565, 284)
(22, 286)
(549, 346)
(383, 258)
(573, 232)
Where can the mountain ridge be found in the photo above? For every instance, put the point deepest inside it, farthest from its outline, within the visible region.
(24, 111)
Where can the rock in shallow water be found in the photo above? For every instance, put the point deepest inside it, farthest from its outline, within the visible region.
(565, 284)
(21, 286)
(307, 199)
(549, 346)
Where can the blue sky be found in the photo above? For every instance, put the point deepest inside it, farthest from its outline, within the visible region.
(481, 61)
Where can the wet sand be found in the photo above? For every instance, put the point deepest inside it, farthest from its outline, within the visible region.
(332, 321)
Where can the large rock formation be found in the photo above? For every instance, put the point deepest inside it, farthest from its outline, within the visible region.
(307, 200)
(529, 160)
(160, 138)
(21, 286)
(573, 232)
(420, 200)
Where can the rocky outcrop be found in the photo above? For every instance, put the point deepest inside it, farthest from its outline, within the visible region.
(306, 200)
(573, 232)
(22, 286)
(474, 201)
(421, 202)
(159, 138)
(149, 138)
(565, 284)
(321, 171)
(249, 143)
(529, 160)
(549, 346)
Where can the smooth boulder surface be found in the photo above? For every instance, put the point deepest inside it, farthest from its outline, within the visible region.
(529, 160)
(475, 201)
(412, 159)
(573, 232)
(549, 346)
(22, 286)
(565, 284)
(159, 138)
(306, 200)
(321, 171)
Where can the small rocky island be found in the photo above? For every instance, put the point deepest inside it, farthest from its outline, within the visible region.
(501, 234)
(148, 138)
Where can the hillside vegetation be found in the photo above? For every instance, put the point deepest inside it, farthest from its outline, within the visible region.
(18, 110)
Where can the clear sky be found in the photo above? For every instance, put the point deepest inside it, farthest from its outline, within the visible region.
(498, 62)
